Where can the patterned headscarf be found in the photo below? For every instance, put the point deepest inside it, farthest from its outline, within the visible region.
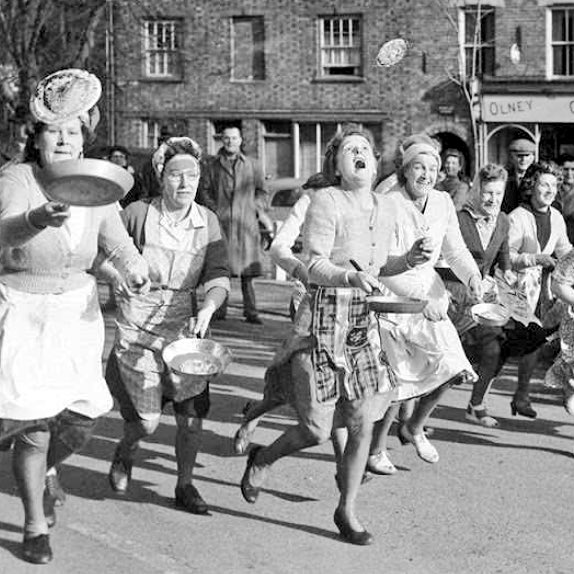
(171, 147)
(420, 148)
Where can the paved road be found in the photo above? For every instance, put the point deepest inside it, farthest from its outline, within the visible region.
(499, 500)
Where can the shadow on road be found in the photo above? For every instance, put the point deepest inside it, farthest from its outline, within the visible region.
(292, 525)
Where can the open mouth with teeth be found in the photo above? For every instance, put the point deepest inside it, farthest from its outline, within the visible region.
(360, 164)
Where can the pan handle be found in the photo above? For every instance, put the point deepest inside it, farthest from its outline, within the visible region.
(355, 265)
(360, 269)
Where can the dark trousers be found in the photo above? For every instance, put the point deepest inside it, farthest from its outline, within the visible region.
(248, 293)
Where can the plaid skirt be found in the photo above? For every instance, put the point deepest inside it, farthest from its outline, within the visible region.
(348, 359)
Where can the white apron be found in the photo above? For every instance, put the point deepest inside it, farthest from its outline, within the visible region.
(51, 354)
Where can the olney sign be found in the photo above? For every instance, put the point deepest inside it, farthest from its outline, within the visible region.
(528, 108)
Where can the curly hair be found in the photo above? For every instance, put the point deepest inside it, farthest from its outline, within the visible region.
(31, 153)
(491, 172)
(533, 174)
(172, 147)
(330, 159)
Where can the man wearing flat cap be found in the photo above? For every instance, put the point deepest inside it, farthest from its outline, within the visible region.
(521, 156)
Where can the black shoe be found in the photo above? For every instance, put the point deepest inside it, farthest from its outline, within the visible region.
(250, 493)
(36, 549)
(255, 319)
(358, 537)
(522, 407)
(54, 489)
(188, 498)
(120, 473)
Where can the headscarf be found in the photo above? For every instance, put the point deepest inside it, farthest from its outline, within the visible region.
(67, 94)
(420, 148)
(171, 147)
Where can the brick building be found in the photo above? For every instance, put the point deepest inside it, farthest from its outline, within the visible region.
(290, 71)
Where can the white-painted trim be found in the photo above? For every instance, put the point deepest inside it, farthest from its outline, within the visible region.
(548, 42)
(493, 3)
(555, 2)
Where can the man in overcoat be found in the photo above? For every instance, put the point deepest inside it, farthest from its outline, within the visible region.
(232, 184)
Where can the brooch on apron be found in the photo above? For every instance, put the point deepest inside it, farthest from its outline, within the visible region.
(357, 337)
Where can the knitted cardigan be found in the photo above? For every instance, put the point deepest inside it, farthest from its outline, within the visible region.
(41, 260)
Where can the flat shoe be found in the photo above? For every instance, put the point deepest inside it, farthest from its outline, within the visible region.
(36, 549)
(250, 493)
(55, 490)
(120, 473)
(480, 416)
(188, 498)
(242, 440)
(422, 445)
(380, 463)
(49, 510)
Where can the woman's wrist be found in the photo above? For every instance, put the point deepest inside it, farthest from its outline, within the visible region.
(31, 219)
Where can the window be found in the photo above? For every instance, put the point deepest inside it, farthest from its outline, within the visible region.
(161, 48)
(278, 148)
(297, 148)
(478, 30)
(340, 46)
(562, 42)
(248, 48)
(150, 132)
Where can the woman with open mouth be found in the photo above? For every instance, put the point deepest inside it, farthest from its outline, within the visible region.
(342, 378)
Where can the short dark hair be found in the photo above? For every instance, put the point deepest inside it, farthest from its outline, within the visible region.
(330, 159)
(118, 148)
(31, 153)
(532, 175)
(564, 157)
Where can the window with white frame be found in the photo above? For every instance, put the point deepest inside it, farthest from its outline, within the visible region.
(150, 132)
(161, 48)
(478, 40)
(562, 41)
(340, 44)
(297, 148)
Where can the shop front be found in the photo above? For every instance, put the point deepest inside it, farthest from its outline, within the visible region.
(547, 119)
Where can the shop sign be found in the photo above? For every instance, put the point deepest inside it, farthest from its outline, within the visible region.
(528, 109)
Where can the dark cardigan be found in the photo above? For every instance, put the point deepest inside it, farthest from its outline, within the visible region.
(497, 252)
(216, 258)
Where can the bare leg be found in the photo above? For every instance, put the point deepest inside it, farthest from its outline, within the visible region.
(406, 410)
(293, 440)
(381, 430)
(352, 469)
(29, 468)
(338, 438)
(487, 369)
(423, 410)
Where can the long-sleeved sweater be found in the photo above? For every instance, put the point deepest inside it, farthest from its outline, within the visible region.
(41, 260)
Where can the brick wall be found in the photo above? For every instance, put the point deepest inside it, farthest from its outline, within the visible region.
(412, 96)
